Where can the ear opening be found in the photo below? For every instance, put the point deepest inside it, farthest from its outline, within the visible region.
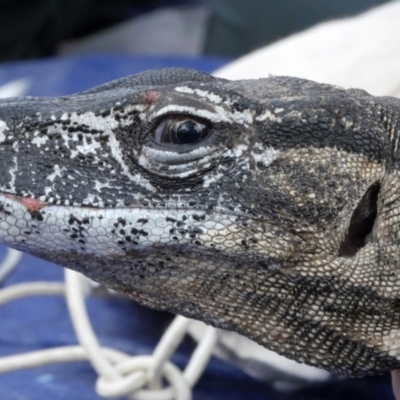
(361, 223)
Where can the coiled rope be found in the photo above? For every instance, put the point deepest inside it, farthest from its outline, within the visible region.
(119, 374)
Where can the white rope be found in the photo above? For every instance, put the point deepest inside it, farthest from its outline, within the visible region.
(139, 377)
(136, 377)
(83, 329)
(31, 289)
(56, 355)
(167, 346)
(201, 356)
(9, 263)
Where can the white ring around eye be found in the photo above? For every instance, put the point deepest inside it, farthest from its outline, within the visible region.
(159, 131)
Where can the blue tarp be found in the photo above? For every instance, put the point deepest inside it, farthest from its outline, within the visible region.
(43, 322)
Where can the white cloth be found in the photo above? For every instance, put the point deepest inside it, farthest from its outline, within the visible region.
(360, 52)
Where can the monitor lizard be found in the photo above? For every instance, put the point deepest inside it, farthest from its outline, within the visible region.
(269, 207)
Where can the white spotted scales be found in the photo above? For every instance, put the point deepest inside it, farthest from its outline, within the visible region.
(269, 207)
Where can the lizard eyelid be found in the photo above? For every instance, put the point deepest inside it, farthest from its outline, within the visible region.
(181, 130)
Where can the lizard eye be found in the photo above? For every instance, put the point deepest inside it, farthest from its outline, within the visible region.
(181, 130)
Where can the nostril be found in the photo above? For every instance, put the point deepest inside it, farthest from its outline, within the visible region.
(361, 223)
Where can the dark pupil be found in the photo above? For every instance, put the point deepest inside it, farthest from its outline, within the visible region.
(188, 132)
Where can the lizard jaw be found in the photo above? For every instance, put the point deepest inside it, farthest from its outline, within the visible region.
(38, 227)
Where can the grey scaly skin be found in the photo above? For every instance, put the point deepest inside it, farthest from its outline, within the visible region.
(269, 207)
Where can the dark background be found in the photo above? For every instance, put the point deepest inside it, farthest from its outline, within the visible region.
(35, 28)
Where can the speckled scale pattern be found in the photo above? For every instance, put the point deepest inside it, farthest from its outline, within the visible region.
(282, 224)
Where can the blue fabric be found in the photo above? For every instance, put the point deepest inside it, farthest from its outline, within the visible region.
(58, 76)
(43, 322)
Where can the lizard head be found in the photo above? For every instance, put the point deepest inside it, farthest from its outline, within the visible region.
(253, 205)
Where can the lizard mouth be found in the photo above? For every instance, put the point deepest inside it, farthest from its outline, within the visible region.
(48, 230)
(41, 228)
(34, 204)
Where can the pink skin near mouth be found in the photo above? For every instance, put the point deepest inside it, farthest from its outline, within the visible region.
(30, 204)
(33, 204)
